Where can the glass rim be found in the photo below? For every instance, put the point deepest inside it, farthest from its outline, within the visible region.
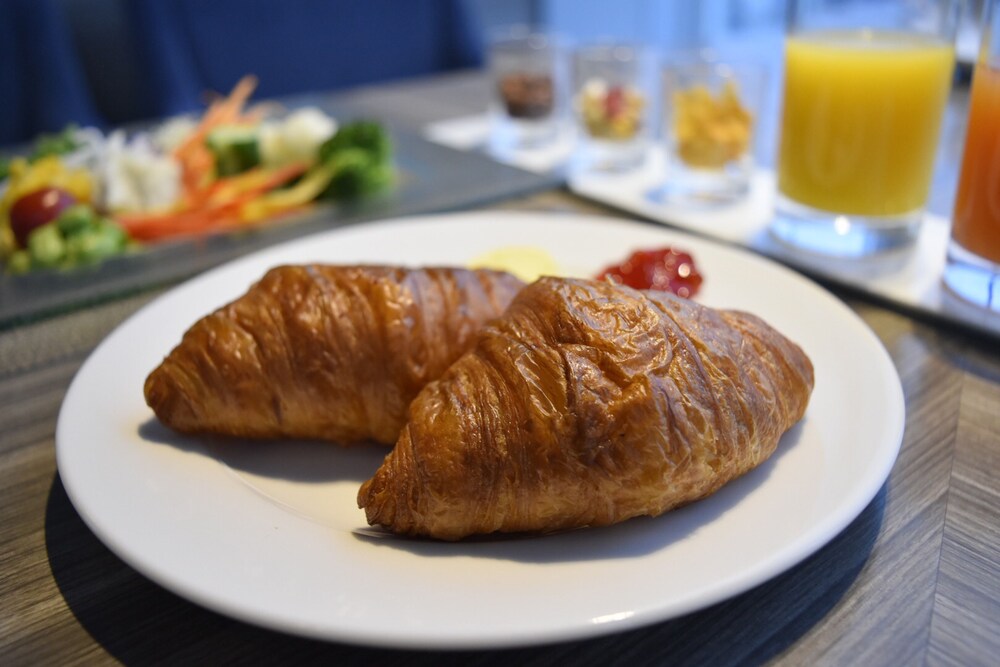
(523, 34)
(988, 53)
(944, 26)
(706, 60)
(613, 51)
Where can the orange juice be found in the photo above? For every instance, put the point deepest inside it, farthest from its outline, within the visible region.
(977, 205)
(862, 110)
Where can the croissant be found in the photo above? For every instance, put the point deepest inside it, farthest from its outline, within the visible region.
(325, 352)
(586, 404)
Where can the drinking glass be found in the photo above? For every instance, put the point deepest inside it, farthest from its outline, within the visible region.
(711, 112)
(611, 102)
(528, 83)
(972, 269)
(866, 85)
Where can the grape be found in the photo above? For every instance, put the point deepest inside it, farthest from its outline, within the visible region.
(36, 209)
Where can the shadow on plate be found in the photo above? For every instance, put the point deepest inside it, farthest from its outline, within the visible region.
(317, 462)
(138, 622)
(635, 537)
(305, 461)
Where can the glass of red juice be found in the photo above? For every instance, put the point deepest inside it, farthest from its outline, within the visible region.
(972, 270)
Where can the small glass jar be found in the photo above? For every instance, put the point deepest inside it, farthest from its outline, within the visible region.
(711, 111)
(528, 75)
(611, 102)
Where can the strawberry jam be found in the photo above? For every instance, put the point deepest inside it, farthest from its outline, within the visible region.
(665, 269)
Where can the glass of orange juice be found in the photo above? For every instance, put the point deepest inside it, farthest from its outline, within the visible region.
(866, 85)
(972, 270)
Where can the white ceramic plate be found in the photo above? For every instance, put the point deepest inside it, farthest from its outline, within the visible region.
(270, 533)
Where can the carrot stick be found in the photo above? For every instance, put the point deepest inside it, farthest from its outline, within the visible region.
(188, 223)
(220, 209)
(259, 179)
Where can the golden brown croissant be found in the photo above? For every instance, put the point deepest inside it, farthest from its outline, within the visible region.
(587, 404)
(328, 352)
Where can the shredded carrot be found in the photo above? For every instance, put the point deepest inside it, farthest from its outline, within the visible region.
(197, 163)
(221, 208)
(273, 203)
(255, 181)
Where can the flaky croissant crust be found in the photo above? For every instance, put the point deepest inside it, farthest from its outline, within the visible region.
(585, 405)
(328, 352)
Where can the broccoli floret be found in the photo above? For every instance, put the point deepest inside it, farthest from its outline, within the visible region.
(366, 135)
(236, 149)
(356, 173)
(59, 143)
(359, 156)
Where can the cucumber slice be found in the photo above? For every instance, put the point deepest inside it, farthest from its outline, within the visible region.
(236, 149)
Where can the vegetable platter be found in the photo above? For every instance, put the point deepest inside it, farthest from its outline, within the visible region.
(80, 196)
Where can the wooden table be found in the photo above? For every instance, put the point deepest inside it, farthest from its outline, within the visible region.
(914, 579)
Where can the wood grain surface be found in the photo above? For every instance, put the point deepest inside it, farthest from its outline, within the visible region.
(915, 579)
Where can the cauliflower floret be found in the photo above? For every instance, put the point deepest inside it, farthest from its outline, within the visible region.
(296, 138)
(135, 177)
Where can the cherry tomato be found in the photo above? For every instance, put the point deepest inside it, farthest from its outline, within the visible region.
(36, 209)
(665, 269)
